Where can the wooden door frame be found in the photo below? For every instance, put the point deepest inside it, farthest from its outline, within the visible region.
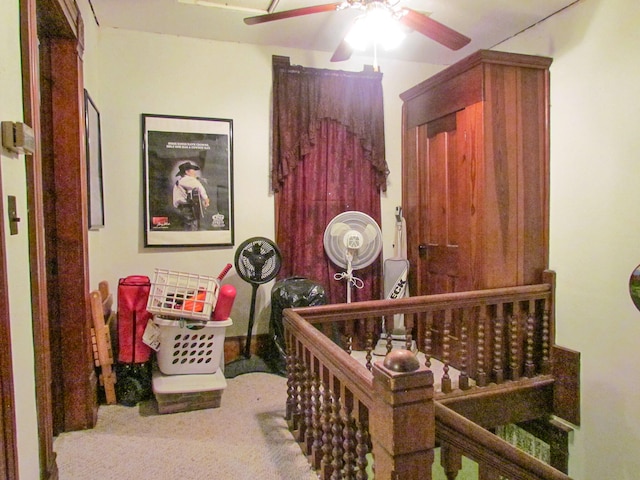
(59, 20)
(31, 107)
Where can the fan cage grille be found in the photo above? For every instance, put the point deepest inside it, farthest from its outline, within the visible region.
(336, 249)
(258, 260)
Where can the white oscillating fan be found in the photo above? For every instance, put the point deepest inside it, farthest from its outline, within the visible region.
(352, 240)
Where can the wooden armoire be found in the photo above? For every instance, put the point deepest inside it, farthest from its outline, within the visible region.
(475, 171)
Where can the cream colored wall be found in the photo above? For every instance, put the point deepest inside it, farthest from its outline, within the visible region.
(12, 166)
(160, 74)
(595, 231)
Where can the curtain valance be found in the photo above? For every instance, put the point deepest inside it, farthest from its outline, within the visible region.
(302, 97)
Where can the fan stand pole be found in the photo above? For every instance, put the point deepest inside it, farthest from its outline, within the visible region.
(247, 346)
(349, 275)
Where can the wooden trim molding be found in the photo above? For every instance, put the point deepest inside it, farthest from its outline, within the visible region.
(52, 19)
(71, 220)
(31, 108)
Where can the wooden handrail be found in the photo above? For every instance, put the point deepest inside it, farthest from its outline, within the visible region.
(377, 308)
(484, 447)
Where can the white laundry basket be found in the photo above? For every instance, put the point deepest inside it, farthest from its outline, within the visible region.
(190, 346)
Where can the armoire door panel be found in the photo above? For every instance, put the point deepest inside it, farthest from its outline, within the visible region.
(437, 199)
(443, 206)
(464, 191)
(443, 260)
(412, 205)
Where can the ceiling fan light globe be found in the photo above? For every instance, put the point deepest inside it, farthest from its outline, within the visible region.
(391, 39)
(358, 36)
(377, 26)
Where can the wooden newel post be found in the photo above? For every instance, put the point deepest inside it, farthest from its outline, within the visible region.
(402, 422)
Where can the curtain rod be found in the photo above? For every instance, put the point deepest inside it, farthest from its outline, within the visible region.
(284, 63)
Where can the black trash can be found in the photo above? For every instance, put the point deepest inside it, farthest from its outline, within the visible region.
(290, 292)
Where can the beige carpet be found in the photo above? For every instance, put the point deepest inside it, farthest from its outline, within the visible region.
(245, 438)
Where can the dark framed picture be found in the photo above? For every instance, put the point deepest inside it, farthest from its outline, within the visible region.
(188, 181)
(94, 163)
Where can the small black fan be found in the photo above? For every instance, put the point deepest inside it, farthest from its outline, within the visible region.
(257, 261)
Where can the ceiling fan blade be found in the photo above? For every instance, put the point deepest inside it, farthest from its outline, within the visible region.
(343, 52)
(433, 29)
(296, 12)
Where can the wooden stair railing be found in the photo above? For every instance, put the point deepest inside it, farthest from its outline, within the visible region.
(501, 341)
(339, 412)
(491, 337)
(497, 459)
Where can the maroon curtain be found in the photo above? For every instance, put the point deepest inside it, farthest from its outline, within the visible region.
(303, 97)
(336, 171)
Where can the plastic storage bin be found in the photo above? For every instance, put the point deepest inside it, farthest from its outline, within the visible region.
(190, 347)
(183, 393)
(184, 295)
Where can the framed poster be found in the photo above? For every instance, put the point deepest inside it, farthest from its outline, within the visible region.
(188, 181)
(93, 147)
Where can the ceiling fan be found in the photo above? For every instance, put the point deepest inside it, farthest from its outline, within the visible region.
(406, 16)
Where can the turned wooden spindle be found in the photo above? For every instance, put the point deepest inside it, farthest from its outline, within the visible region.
(451, 461)
(362, 449)
(463, 378)
(316, 448)
(529, 366)
(349, 443)
(336, 439)
(498, 372)
(297, 395)
(546, 366)
(327, 435)
(446, 346)
(514, 347)
(290, 365)
(306, 433)
(481, 374)
(369, 343)
(428, 334)
(388, 326)
(408, 324)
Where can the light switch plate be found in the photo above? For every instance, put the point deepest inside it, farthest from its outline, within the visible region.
(13, 214)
